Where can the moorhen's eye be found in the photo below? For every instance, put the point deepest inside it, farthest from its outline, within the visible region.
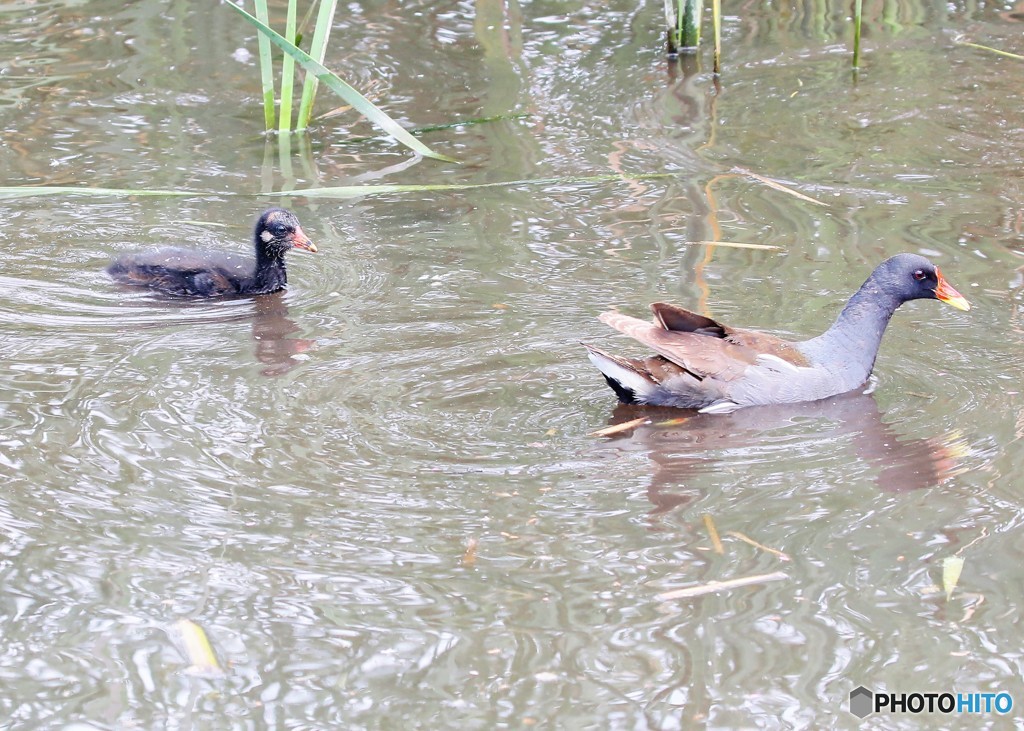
(919, 275)
(278, 229)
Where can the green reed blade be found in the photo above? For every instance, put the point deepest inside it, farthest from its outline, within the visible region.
(448, 125)
(857, 13)
(266, 67)
(351, 191)
(288, 71)
(469, 122)
(361, 104)
(318, 49)
(671, 44)
(30, 191)
(300, 32)
(346, 191)
(689, 33)
(716, 22)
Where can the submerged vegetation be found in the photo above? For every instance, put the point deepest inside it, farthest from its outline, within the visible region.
(683, 18)
(683, 32)
(316, 73)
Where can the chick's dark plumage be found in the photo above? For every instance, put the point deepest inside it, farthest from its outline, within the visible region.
(194, 273)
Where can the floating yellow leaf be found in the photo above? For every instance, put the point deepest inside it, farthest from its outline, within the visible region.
(951, 568)
(619, 428)
(197, 649)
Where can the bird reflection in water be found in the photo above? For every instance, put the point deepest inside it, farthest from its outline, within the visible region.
(682, 443)
(270, 329)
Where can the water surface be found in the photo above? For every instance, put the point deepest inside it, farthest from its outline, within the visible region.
(378, 493)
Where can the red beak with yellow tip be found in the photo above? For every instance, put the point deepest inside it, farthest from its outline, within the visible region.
(300, 241)
(944, 292)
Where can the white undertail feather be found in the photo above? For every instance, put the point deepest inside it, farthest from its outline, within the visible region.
(642, 387)
(720, 407)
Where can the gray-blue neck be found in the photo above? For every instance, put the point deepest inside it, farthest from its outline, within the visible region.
(850, 346)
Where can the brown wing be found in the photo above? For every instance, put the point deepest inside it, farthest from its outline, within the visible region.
(675, 318)
(765, 344)
(700, 355)
(724, 358)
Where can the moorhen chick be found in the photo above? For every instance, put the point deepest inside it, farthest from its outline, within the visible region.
(701, 364)
(193, 273)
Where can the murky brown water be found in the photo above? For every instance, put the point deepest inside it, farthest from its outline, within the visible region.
(377, 493)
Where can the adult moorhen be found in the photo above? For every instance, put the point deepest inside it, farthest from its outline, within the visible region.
(717, 369)
(192, 273)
